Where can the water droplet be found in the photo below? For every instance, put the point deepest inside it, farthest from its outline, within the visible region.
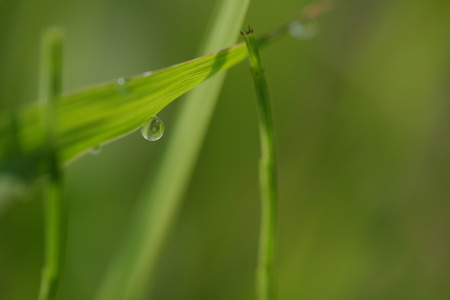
(148, 73)
(96, 150)
(121, 82)
(304, 30)
(153, 129)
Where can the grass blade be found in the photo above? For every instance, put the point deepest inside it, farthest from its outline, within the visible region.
(267, 175)
(133, 268)
(50, 90)
(101, 113)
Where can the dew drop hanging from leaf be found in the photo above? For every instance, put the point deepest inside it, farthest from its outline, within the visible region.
(95, 150)
(153, 129)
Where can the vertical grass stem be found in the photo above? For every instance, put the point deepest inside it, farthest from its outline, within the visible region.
(265, 280)
(49, 92)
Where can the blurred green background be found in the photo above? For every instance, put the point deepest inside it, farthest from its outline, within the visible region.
(362, 117)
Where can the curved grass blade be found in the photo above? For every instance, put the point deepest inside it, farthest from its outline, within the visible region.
(101, 113)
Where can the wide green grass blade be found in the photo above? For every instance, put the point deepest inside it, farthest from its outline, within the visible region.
(99, 114)
(132, 270)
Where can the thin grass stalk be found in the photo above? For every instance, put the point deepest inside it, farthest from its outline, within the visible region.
(265, 278)
(50, 91)
(265, 272)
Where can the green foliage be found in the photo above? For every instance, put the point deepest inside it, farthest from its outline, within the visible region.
(362, 117)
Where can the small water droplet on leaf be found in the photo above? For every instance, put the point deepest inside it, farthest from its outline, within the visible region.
(304, 30)
(96, 150)
(153, 129)
(121, 82)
